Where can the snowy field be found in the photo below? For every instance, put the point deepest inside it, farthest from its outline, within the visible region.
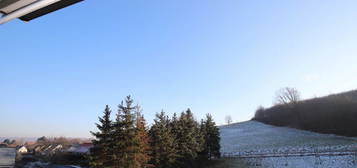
(261, 145)
(7, 156)
(47, 165)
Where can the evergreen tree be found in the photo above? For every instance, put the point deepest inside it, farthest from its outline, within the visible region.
(7, 141)
(101, 152)
(143, 137)
(117, 142)
(162, 142)
(176, 143)
(188, 139)
(202, 154)
(174, 124)
(126, 142)
(211, 138)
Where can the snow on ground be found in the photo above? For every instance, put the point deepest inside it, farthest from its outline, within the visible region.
(47, 165)
(253, 137)
(7, 156)
(264, 145)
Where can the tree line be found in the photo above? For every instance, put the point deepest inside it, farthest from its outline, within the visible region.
(176, 142)
(333, 114)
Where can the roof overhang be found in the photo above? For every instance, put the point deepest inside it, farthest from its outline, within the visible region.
(27, 10)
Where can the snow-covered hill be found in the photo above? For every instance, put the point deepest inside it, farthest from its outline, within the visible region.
(253, 137)
(262, 145)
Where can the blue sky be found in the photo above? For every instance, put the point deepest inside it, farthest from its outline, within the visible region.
(224, 57)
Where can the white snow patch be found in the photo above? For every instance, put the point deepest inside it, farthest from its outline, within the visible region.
(264, 145)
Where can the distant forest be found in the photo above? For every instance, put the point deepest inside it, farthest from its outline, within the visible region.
(333, 114)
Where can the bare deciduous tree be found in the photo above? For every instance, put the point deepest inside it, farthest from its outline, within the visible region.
(228, 119)
(287, 95)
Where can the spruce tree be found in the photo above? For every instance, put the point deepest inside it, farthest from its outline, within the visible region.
(211, 138)
(174, 124)
(130, 139)
(101, 152)
(162, 143)
(142, 135)
(202, 154)
(188, 139)
(117, 142)
(179, 142)
(126, 142)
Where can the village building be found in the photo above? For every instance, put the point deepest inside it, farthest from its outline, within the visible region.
(22, 149)
(49, 149)
(83, 148)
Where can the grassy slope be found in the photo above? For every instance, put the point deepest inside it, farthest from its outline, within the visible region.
(255, 137)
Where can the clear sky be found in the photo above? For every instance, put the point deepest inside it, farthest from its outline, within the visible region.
(224, 57)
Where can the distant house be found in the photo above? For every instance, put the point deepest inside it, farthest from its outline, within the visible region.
(39, 149)
(22, 149)
(80, 148)
(7, 157)
(31, 147)
(51, 149)
(57, 148)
